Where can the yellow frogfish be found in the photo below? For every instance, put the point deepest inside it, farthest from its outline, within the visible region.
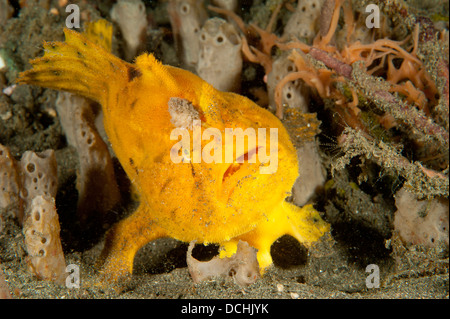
(210, 201)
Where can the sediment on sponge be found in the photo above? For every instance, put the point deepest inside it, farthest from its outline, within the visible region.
(423, 222)
(31, 188)
(243, 266)
(97, 187)
(42, 239)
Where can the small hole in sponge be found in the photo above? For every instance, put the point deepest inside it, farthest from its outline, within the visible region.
(185, 8)
(31, 167)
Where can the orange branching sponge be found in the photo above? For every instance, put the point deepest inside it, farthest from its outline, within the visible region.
(321, 79)
(207, 202)
(267, 38)
(409, 78)
(351, 65)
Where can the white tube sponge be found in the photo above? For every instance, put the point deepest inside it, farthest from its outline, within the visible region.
(186, 18)
(303, 23)
(131, 17)
(422, 222)
(35, 174)
(220, 58)
(295, 94)
(39, 175)
(243, 266)
(33, 182)
(9, 183)
(97, 187)
(312, 175)
(41, 229)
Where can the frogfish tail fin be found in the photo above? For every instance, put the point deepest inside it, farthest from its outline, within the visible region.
(100, 32)
(77, 65)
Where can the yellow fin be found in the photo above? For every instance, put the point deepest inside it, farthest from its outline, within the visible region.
(79, 66)
(100, 32)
